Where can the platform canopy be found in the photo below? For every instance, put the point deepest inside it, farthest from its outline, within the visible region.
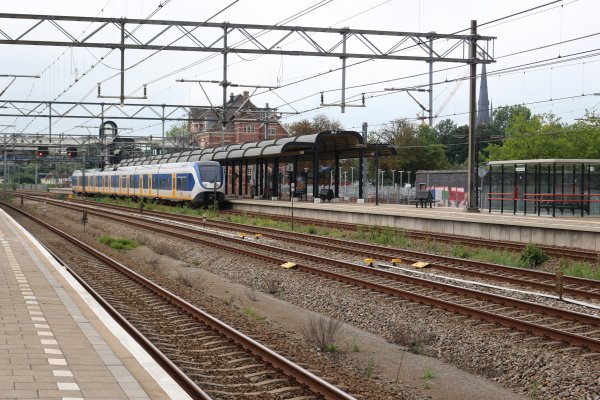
(328, 144)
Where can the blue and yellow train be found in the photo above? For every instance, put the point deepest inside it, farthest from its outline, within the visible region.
(197, 183)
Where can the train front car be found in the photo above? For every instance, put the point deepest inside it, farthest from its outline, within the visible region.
(210, 179)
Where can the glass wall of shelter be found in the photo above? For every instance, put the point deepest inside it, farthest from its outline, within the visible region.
(553, 187)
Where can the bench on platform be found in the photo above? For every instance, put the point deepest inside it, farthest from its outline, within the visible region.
(423, 198)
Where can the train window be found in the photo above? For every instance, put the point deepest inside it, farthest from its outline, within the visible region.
(210, 173)
(181, 183)
(123, 182)
(145, 181)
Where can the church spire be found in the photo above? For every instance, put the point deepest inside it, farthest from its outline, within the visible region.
(483, 104)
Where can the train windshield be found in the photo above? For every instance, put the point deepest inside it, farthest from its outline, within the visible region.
(210, 173)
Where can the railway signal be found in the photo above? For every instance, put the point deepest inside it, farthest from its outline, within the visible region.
(42, 151)
(71, 152)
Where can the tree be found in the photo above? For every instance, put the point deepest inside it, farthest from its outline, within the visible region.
(416, 147)
(544, 136)
(319, 123)
(503, 115)
(179, 133)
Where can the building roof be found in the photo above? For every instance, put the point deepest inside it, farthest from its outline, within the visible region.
(546, 161)
(238, 108)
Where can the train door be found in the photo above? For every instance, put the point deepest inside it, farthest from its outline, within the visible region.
(181, 181)
(174, 186)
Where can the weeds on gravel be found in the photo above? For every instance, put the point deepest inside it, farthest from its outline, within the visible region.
(579, 269)
(503, 257)
(370, 368)
(414, 340)
(432, 246)
(252, 314)
(534, 389)
(251, 294)
(355, 348)
(118, 243)
(272, 286)
(229, 301)
(385, 235)
(532, 256)
(184, 279)
(427, 377)
(460, 251)
(321, 332)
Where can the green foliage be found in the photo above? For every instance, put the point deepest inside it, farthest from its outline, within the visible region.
(459, 250)
(580, 269)
(532, 256)
(330, 348)
(118, 243)
(321, 332)
(544, 136)
(370, 368)
(319, 123)
(427, 377)
(386, 235)
(252, 314)
(496, 256)
(535, 389)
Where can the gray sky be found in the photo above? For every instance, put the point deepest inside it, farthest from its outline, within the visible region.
(575, 77)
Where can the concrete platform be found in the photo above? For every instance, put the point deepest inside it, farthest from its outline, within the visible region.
(577, 232)
(56, 341)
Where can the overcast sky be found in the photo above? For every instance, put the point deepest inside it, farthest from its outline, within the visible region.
(564, 85)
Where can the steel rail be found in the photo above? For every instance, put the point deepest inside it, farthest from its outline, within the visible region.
(446, 263)
(575, 339)
(289, 368)
(178, 376)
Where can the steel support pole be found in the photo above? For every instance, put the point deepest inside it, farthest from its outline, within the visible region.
(472, 207)
(344, 73)
(122, 64)
(362, 168)
(162, 147)
(431, 82)
(223, 121)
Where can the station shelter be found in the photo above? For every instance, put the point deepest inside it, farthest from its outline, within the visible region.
(552, 187)
(265, 169)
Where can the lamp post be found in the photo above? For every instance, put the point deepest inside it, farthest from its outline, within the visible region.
(345, 180)
(352, 176)
(393, 176)
(408, 179)
(401, 176)
(381, 172)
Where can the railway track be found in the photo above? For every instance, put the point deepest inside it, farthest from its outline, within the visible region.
(577, 329)
(575, 254)
(208, 358)
(538, 280)
(555, 251)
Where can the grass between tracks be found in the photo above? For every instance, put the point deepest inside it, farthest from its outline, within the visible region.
(531, 257)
